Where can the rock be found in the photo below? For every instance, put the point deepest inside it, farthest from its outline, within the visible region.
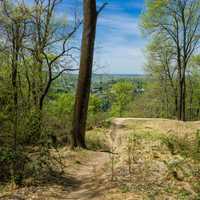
(178, 174)
(176, 160)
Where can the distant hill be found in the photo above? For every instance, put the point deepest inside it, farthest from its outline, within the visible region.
(108, 77)
(68, 81)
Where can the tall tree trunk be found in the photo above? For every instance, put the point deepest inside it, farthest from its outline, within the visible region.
(14, 71)
(84, 81)
(85, 73)
(176, 104)
(191, 116)
(198, 110)
(180, 84)
(15, 111)
(184, 99)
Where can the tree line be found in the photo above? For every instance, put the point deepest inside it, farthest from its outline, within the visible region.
(174, 28)
(36, 49)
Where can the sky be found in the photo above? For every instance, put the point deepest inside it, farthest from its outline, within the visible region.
(119, 47)
(119, 35)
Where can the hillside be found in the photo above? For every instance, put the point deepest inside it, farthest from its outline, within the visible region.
(135, 159)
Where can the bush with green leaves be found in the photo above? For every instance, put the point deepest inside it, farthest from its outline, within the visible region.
(97, 111)
(60, 110)
(121, 96)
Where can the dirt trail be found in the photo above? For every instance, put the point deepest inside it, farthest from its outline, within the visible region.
(86, 181)
(95, 175)
(89, 178)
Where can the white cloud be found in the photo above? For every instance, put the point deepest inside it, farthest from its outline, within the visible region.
(119, 58)
(123, 23)
(121, 46)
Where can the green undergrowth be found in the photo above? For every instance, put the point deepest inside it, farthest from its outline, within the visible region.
(176, 156)
(96, 139)
(146, 135)
(187, 146)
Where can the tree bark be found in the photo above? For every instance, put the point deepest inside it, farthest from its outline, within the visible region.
(85, 73)
(16, 42)
(184, 99)
(180, 83)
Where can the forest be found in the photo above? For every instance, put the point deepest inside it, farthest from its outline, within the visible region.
(70, 132)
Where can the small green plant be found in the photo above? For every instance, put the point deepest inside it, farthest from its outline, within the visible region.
(12, 165)
(125, 188)
(187, 147)
(132, 142)
(171, 143)
(96, 140)
(198, 140)
(179, 145)
(184, 195)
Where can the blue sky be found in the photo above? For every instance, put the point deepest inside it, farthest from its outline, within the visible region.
(119, 44)
(119, 34)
